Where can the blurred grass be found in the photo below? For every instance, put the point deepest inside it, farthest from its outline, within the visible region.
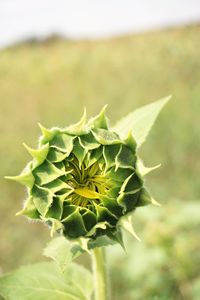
(52, 82)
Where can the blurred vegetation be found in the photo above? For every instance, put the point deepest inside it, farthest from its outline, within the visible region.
(165, 265)
(51, 83)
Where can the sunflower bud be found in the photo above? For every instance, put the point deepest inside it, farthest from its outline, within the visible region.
(83, 179)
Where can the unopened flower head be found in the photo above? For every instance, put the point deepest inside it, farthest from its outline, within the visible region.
(83, 179)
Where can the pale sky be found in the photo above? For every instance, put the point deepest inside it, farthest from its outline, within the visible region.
(79, 19)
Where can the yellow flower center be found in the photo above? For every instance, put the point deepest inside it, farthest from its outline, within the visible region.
(89, 183)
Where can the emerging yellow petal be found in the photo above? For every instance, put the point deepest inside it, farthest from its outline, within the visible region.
(86, 193)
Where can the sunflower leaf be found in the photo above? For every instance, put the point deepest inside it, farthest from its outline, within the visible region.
(140, 121)
(45, 281)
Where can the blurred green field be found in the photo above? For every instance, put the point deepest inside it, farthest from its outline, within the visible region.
(51, 83)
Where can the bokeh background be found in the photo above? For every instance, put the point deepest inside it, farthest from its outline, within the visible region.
(51, 80)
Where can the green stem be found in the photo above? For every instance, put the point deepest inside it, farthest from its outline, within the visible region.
(100, 274)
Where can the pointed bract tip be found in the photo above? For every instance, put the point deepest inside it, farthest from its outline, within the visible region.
(156, 203)
(136, 237)
(166, 99)
(130, 141)
(121, 243)
(19, 213)
(40, 125)
(127, 224)
(43, 129)
(169, 97)
(84, 115)
(103, 110)
(26, 147)
(26, 179)
(104, 107)
(9, 177)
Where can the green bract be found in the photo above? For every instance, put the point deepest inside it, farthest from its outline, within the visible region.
(84, 178)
